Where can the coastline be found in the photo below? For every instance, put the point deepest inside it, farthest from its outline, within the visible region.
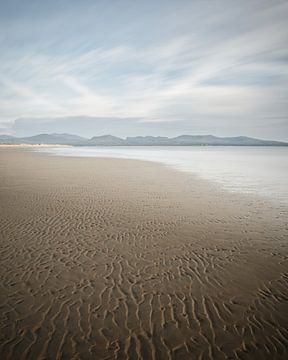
(32, 145)
(239, 170)
(131, 258)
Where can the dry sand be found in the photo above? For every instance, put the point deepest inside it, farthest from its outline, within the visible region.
(122, 259)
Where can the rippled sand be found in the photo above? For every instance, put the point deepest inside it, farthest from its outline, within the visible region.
(121, 259)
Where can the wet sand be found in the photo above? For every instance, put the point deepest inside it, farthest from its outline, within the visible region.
(123, 259)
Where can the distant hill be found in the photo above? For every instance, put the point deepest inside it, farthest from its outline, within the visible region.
(147, 140)
(106, 140)
(65, 139)
(109, 140)
(213, 140)
(7, 139)
(61, 139)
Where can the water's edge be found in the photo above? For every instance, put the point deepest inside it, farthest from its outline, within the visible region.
(262, 170)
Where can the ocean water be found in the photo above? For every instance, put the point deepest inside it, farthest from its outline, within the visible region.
(256, 170)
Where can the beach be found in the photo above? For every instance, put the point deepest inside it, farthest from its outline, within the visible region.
(106, 258)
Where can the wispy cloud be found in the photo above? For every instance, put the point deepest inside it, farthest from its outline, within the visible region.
(215, 63)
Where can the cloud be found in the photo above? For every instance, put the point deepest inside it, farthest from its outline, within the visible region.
(209, 63)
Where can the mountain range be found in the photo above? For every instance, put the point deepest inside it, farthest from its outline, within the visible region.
(109, 140)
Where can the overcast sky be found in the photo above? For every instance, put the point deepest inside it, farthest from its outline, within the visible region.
(154, 67)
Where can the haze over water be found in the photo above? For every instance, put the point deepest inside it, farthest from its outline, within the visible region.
(255, 170)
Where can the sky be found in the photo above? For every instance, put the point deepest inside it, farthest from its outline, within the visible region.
(144, 67)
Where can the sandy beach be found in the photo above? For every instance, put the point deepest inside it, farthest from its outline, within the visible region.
(16, 146)
(124, 259)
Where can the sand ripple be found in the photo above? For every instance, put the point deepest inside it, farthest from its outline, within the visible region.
(99, 264)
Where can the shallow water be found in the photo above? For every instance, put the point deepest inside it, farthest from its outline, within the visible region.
(257, 170)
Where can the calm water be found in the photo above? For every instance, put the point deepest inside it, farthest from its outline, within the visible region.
(260, 170)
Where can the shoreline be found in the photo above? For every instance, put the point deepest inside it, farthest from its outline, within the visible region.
(276, 198)
(128, 258)
(32, 145)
